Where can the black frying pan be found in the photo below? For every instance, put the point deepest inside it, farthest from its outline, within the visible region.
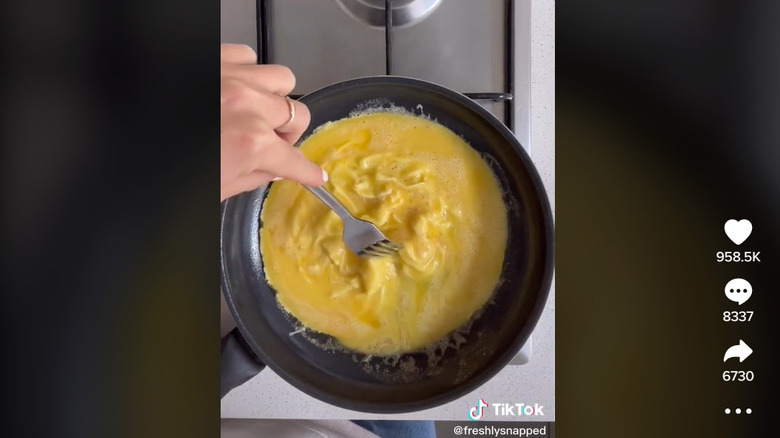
(351, 380)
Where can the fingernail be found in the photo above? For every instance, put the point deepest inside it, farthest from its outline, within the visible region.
(278, 178)
(324, 176)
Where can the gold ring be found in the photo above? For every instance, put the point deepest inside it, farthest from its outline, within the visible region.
(291, 105)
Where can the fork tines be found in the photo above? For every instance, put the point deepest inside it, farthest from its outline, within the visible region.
(380, 249)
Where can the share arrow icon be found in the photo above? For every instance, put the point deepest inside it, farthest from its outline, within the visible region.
(741, 350)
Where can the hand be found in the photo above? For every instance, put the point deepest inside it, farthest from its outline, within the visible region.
(258, 128)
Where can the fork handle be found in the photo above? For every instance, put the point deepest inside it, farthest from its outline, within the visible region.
(330, 201)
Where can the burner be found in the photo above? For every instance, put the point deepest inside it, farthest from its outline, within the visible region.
(372, 12)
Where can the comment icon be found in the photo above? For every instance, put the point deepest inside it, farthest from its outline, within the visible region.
(738, 290)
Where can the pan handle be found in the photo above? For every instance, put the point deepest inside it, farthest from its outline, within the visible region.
(238, 362)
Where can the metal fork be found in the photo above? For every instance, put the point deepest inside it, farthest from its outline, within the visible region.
(362, 237)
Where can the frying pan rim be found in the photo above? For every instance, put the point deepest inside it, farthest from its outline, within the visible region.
(489, 370)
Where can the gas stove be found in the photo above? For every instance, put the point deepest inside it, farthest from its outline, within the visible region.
(478, 48)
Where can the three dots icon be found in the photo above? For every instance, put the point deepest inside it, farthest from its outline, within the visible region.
(738, 411)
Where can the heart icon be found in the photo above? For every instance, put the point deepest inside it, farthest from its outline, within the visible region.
(738, 231)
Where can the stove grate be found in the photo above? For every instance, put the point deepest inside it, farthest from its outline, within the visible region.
(265, 53)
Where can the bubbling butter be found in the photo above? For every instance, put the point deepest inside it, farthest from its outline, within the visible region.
(427, 190)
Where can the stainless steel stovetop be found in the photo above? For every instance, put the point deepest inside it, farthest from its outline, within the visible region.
(480, 48)
(471, 46)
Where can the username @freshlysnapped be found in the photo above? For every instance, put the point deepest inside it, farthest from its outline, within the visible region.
(490, 430)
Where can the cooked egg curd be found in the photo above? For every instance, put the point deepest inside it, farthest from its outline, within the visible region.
(425, 189)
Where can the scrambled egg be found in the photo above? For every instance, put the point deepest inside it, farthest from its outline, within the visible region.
(427, 190)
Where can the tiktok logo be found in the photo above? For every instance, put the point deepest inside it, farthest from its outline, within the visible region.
(478, 411)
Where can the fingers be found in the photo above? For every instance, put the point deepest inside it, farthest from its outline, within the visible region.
(288, 162)
(288, 117)
(237, 54)
(292, 129)
(238, 99)
(244, 138)
(249, 145)
(271, 78)
(259, 125)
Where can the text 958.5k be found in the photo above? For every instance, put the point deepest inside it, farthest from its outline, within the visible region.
(737, 256)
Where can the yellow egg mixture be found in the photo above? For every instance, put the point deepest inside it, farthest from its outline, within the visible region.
(427, 190)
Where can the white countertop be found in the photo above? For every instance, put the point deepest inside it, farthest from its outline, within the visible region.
(268, 396)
